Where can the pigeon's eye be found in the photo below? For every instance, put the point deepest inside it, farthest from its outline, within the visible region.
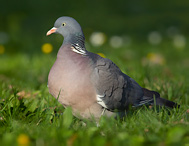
(63, 24)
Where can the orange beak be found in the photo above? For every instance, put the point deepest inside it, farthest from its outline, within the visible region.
(52, 30)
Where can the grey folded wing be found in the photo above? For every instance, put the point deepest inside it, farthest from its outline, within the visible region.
(115, 90)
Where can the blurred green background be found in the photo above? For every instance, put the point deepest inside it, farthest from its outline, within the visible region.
(23, 24)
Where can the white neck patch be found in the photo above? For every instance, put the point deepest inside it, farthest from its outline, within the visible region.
(77, 49)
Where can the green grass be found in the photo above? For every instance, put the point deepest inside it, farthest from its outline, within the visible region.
(27, 108)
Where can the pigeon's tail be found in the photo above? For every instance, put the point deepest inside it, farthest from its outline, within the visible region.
(158, 100)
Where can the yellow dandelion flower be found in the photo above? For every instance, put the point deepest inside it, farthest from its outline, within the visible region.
(2, 49)
(150, 56)
(156, 58)
(47, 48)
(23, 140)
(102, 55)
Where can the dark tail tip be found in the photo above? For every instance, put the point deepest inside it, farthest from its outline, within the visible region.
(164, 102)
(158, 100)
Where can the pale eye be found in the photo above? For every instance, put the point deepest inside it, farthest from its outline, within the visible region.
(63, 24)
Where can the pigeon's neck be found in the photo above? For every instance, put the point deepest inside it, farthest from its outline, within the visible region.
(77, 42)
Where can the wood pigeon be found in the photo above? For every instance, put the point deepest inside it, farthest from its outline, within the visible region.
(91, 85)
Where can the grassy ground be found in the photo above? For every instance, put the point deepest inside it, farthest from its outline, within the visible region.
(30, 116)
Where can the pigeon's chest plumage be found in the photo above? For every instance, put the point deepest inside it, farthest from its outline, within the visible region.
(69, 80)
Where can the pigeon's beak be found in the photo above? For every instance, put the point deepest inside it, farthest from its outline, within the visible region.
(52, 30)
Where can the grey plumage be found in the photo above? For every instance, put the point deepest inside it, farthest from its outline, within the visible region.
(89, 83)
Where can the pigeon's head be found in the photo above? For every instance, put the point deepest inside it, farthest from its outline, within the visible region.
(66, 26)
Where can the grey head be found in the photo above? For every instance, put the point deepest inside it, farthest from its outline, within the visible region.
(67, 27)
(72, 32)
